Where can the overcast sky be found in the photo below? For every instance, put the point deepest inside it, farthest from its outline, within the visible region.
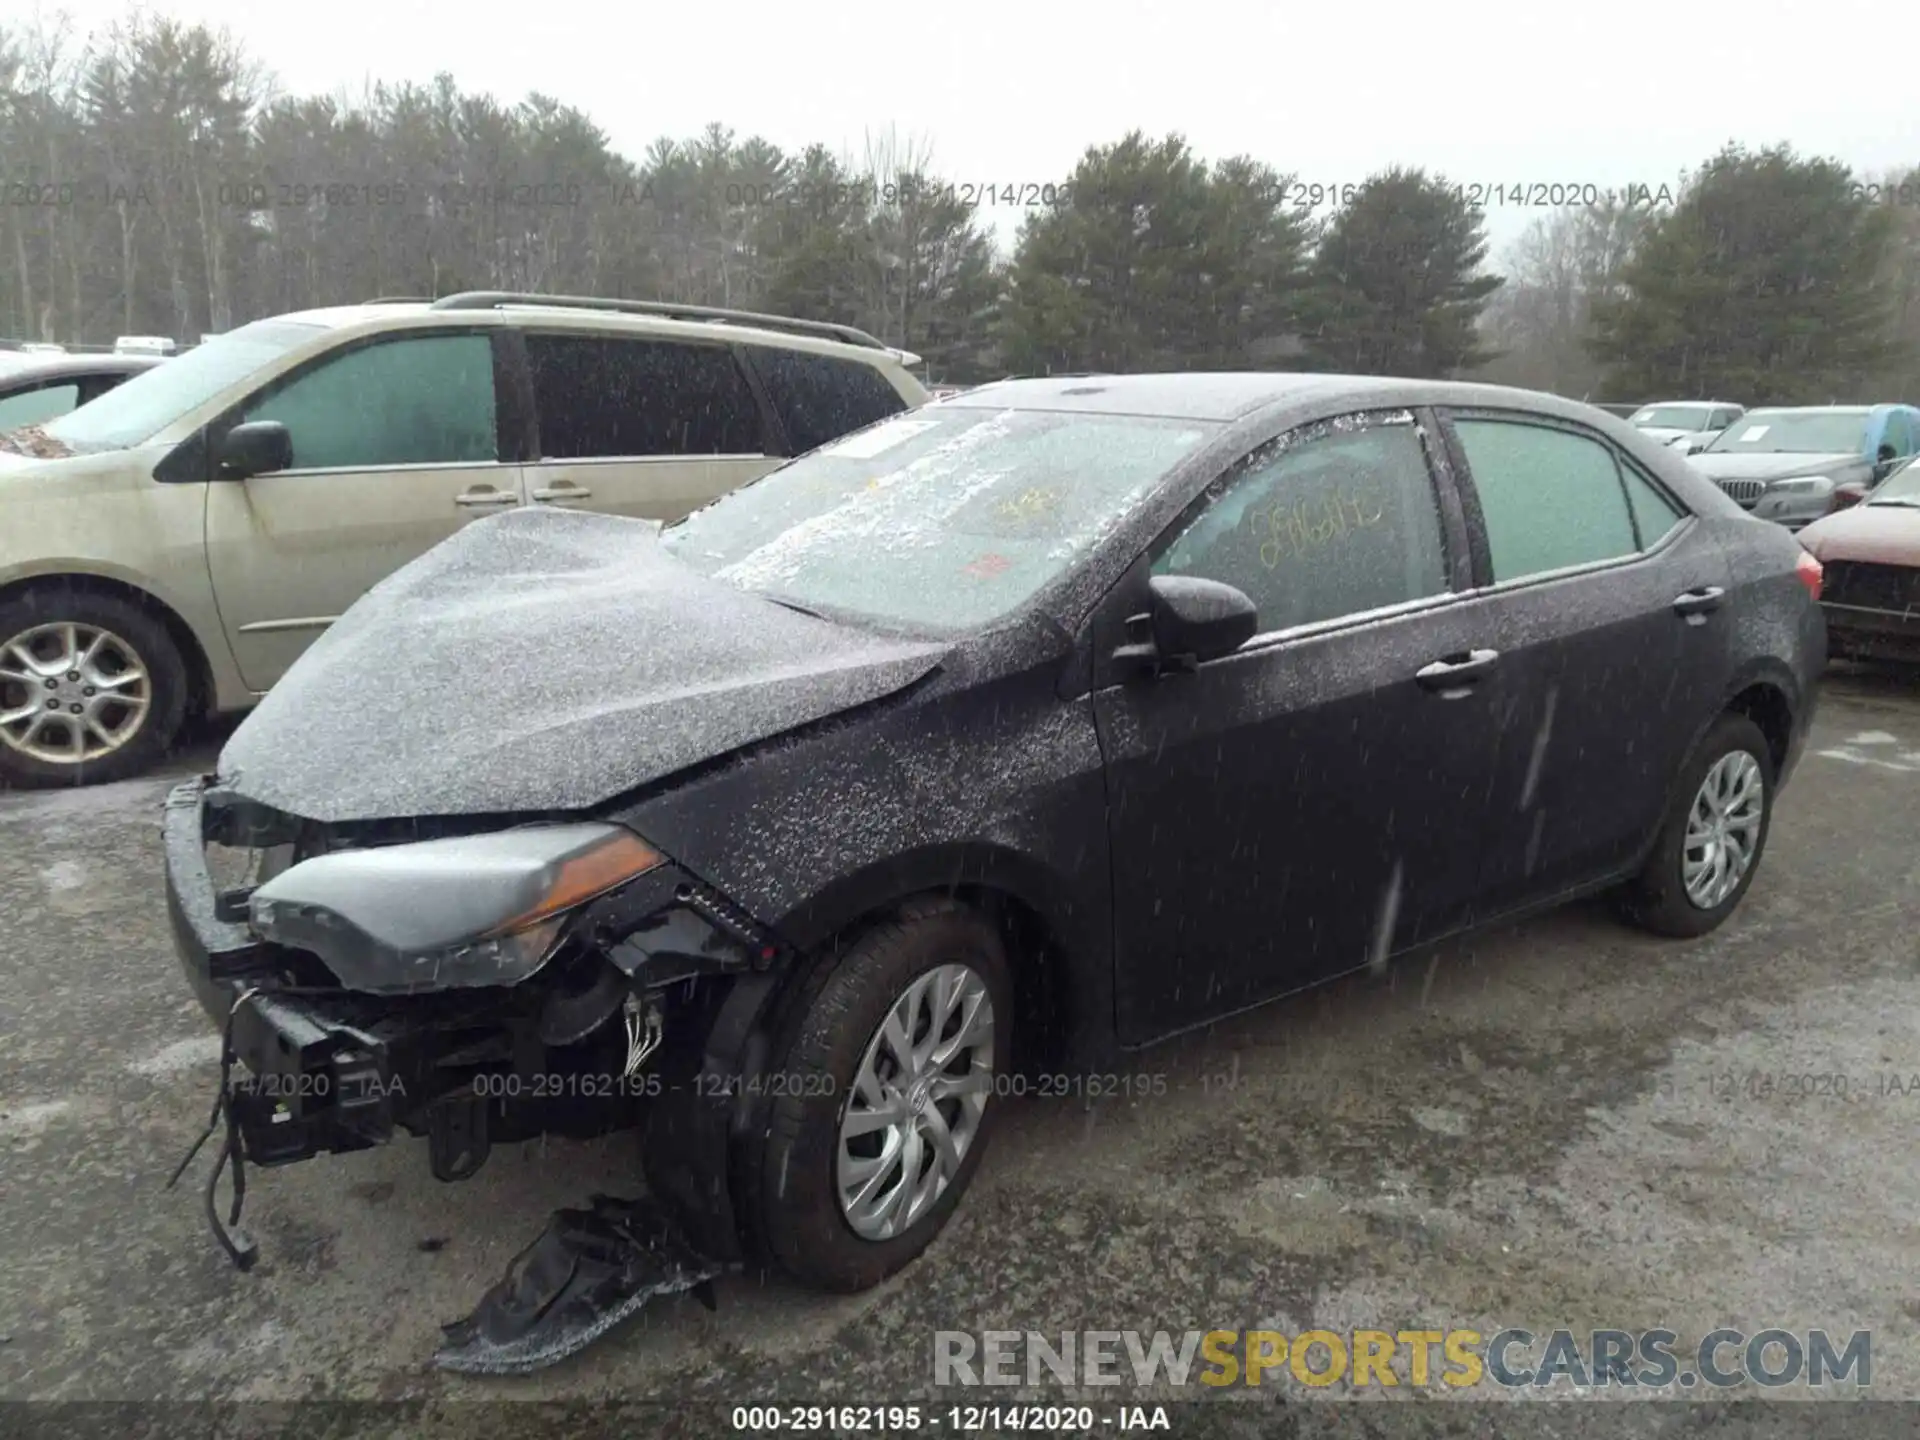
(1011, 93)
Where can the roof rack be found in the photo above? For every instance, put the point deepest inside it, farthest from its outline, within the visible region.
(399, 300)
(494, 299)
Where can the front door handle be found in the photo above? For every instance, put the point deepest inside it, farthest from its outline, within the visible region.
(565, 490)
(485, 495)
(1698, 603)
(1452, 676)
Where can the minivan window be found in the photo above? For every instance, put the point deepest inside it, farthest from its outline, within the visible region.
(31, 407)
(1549, 498)
(820, 398)
(146, 404)
(944, 519)
(602, 397)
(421, 400)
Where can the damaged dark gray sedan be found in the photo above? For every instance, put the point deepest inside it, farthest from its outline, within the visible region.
(1009, 736)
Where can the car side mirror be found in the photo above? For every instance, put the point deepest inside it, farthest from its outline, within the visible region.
(1852, 492)
(1188, 621)
(258, 447)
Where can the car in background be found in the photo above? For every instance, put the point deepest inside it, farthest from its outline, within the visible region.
(1788, 464)
(145, 345)
(1870, 553)
(1687, 425)
(37, 386)
(1053, 720)
(176, 544)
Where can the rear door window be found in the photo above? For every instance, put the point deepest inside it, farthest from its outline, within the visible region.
(1653, 513)
(1550, 498)
(603, 397)
(820, 398)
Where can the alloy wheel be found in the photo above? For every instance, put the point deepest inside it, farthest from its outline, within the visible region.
(1723, 829)
(916, 1103)
(71, 692)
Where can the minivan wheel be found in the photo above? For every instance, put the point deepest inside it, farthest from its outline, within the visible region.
(92, 689)
(1712, 838)
(883, 1101)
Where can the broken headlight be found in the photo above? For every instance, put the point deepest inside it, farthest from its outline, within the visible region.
(439, 914)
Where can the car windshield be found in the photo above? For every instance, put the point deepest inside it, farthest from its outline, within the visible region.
(1902, 487)
(1794, 432)
(946, 519)
(147, 403)
(1672, 417)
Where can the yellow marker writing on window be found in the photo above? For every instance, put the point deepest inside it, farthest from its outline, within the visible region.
(1312, 522)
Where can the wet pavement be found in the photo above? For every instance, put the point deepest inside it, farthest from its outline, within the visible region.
(1564, 1123)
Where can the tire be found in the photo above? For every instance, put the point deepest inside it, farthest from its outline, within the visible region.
(1656, 899)
(793, 1196)
(132, 633)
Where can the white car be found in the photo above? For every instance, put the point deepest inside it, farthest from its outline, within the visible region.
(1687, 425)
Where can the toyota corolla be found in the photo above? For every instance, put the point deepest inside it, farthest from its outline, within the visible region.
(1026, 731)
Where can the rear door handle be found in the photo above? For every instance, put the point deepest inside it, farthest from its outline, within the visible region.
(1452, 676)
(565, 490)
(484, 495)
(1699, 602)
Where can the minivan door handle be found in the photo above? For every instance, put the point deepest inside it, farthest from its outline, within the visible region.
(1452, 676)
(481, 496)
(564, 490)
(1698, 603)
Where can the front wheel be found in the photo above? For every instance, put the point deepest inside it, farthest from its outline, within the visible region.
(92, 688)
(884, 1098)
(1714, 833)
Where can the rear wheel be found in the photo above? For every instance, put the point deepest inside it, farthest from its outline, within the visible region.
(884, 1098)
(1712, 838)
(92, 688)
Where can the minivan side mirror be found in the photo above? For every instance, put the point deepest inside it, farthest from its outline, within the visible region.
(1189, 620)
(1850, 492)
(258, 447)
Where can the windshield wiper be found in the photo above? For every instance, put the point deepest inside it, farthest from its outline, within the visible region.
(793, 605)
(1913, 501)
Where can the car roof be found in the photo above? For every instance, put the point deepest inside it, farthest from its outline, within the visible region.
(1822, 409)
(40, 365)
(1235, 395)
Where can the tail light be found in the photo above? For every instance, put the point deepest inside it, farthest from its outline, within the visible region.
(1809, 572)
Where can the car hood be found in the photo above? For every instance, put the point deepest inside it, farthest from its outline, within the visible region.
(1665, 434)
(1872, 534)
(544, 660)
(1730, 465)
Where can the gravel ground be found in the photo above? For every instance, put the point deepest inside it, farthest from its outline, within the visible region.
(1560, 1124)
